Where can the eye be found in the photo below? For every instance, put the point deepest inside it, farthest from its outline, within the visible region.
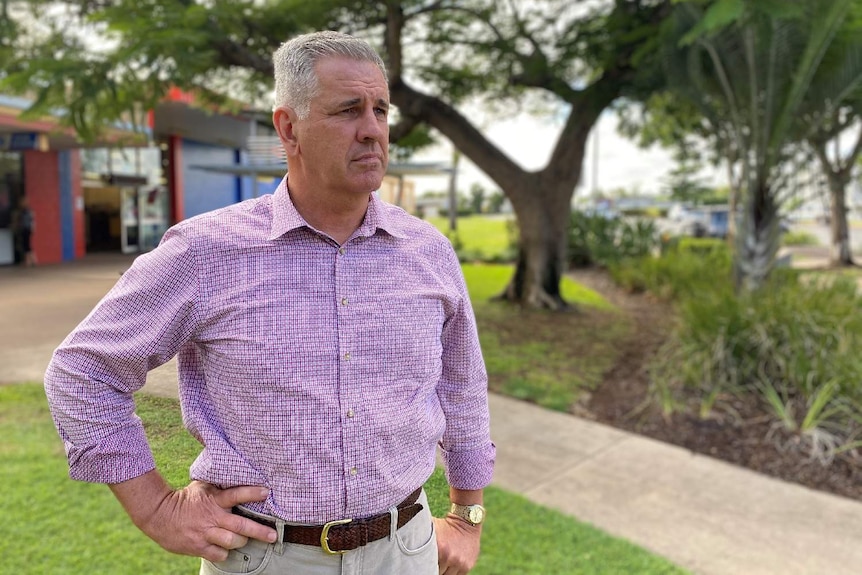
(381, 112)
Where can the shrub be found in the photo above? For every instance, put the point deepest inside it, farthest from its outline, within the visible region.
(686, 269)
(702, 246)
(598, 240)
(793, 343)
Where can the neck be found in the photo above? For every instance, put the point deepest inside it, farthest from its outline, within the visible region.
(330, 213)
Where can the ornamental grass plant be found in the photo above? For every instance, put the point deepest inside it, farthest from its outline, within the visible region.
(793, 345)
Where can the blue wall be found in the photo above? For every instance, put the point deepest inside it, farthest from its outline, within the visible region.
(205, 190)
(264, 186)
(67, 205)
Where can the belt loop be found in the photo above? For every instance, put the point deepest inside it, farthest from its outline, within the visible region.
(393, 522)
(279, 538)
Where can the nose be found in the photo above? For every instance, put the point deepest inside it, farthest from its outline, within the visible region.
(372, 127)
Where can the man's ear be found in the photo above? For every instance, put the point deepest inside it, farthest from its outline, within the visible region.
(284, 121)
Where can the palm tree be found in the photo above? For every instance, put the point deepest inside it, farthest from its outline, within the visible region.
(756, 70)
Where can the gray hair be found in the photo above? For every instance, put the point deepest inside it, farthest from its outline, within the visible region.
(295, 79)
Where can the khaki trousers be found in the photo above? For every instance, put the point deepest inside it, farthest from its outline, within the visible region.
(411, 550)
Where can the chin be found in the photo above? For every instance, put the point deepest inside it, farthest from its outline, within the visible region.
(370, 184)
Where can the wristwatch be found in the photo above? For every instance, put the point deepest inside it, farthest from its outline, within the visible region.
(472, 514)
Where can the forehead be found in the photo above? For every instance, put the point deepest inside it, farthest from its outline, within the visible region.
(340, 76)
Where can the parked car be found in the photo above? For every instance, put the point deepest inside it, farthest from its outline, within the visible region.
(703, 221)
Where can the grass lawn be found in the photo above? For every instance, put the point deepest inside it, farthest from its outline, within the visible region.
(532, 355)
(485, 236)
(52, 525)
(538, 356)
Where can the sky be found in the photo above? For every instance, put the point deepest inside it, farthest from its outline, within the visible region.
(529, 140)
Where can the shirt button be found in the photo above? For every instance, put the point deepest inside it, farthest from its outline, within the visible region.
(350, 413)
(347, 356)
(342, 251)
(353, 471)
(344, 301)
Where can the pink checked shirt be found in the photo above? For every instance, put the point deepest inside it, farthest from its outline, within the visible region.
(327, 373)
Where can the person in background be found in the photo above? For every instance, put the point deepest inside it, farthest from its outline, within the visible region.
(326, 348)
(23, 225)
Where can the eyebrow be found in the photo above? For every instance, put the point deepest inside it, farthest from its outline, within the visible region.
(354, 101)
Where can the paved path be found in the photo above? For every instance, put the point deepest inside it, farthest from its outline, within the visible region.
(701, 513)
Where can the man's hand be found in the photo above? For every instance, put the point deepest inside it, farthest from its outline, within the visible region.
(457, 545)
(195, 520)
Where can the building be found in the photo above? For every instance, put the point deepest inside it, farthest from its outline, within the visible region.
(123, 192)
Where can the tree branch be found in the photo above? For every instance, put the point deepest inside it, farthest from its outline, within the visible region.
(587, 106)
(854, 154)
(419, 107)
(392, 40)
(402, 128)
(234, 54)
(434, 6)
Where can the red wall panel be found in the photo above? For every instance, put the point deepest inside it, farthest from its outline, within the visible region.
(42, 187)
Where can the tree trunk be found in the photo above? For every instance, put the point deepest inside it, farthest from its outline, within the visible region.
(839, 252)
(758, 239)
(838, 172)
(541, 199)
(543, 227)
(732, 204)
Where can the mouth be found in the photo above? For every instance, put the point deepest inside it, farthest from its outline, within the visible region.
(368, 159)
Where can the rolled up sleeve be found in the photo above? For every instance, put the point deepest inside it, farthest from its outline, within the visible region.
(140, 324)
(467, 450)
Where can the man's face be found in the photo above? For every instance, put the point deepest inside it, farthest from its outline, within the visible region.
(343, 144)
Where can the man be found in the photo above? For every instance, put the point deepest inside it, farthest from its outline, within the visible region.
(326, 345)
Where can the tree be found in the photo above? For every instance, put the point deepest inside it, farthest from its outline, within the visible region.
(841, 116)
(584, 59)
(838, 168)
(477, 198)
(441, 54)
(685, 185)
(754, 68)
(495, 202)
(839, 165)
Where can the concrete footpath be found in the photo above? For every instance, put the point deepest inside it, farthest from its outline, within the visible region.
(701, 513)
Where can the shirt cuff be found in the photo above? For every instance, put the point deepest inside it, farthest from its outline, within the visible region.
(121, 456)
(470, 470)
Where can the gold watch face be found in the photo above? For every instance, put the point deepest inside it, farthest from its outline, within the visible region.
(475, 514)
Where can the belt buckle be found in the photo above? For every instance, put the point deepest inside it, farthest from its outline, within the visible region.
(324, 536)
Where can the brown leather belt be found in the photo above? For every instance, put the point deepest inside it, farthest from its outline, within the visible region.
(346, 534)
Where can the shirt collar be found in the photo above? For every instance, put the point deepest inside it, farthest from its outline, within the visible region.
(286, 218)
(378, 217)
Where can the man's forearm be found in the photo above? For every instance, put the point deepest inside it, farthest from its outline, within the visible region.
(466, 497)
(142, 496)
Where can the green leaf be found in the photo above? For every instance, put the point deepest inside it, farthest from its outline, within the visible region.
(718, 16)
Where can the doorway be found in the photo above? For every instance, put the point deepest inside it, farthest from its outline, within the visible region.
(11, 190)
(121, 218)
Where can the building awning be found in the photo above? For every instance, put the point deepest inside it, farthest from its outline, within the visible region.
(278, 169)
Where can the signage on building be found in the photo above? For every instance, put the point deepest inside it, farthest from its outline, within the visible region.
(20, 141)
